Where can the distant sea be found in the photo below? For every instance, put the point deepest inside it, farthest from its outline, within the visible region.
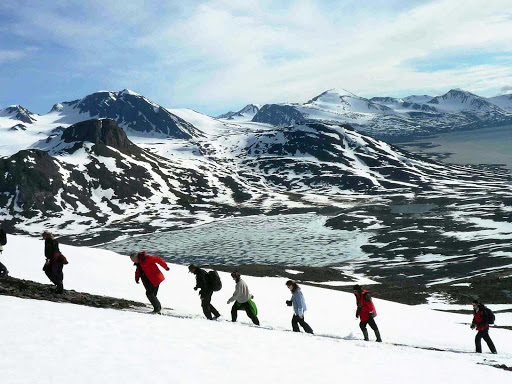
(480, 146)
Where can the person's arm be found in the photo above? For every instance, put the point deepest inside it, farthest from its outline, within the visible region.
(137, 274)
(158, 260)
(236, 294)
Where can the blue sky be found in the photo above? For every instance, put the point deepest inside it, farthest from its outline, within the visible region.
(220, 55)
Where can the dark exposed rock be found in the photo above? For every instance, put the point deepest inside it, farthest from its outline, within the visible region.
(18, 127)
(278, 115)
(32, 176)
(27, 289)
(97, 131)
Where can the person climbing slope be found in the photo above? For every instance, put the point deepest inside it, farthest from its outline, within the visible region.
(151, 276)
(242, 300)
(366, 312)
(481, 323)
(55, 261)
(204, 285)
(299, 307)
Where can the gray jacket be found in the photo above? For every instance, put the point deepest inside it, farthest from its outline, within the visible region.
(241, 294)
(299, 304)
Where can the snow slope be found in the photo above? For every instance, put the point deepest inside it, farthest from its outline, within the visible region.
(74, 344)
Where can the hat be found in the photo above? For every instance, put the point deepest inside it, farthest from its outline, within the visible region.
(192, 268)
(357, 288)
(290, 282)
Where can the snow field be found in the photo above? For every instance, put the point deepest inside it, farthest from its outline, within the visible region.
(44, 342)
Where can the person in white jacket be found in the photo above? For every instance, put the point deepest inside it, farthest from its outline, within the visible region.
(241, 298)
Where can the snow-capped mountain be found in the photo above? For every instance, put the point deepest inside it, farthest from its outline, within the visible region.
(502, 101)
(133, 112)
(403, 105)
(245, 114)
(70, 173)
(90, 174)
(392, 118)
(341, 102)
(457, 100)
(18, 113)
(419, 99)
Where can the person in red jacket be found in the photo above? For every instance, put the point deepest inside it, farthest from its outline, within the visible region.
(150, 274)
(481, 323)
(366, 311)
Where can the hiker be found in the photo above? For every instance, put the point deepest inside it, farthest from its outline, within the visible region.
(150, 274)
(242, 300)
(55, 261)
(366, 312)
(3, 240)
(299, 306)
(205, 291)
(481, 323)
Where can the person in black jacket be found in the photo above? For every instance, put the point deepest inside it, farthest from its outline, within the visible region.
(3, 240)
(55, 261)
(205, 291)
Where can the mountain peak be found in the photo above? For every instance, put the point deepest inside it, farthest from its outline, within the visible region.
(17, 112)
(128, 92)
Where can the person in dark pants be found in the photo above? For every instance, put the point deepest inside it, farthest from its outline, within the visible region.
(366, 312)
(241, 298)
(3, 240)
(481, 323)
(148, 271)
(205, 291)
(299, 307)
(55, 260)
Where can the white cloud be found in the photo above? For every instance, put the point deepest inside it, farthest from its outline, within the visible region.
(225, 53)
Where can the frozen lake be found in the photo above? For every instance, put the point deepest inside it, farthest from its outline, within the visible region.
(277, 240)
(481, 146)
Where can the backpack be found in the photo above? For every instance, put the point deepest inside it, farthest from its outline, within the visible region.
(490, 315)
(214, 281)
(3, 237)
(253, 307)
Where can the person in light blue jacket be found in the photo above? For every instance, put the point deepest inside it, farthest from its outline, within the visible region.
(299, 306)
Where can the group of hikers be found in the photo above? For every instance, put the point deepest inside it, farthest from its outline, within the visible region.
(207, 283)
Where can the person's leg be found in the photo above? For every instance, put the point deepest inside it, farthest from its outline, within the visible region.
(373, 325)
(212, 308)
(478, 341)
(151, 292)
(295, 323)
(488, 340)
(305, 325)
(234, 312)
(48, 272)
(251, 315)
(362, 325)
(59, 278)
(3, 271)
(205, 304)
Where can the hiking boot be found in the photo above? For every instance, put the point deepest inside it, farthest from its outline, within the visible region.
(216, 317)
